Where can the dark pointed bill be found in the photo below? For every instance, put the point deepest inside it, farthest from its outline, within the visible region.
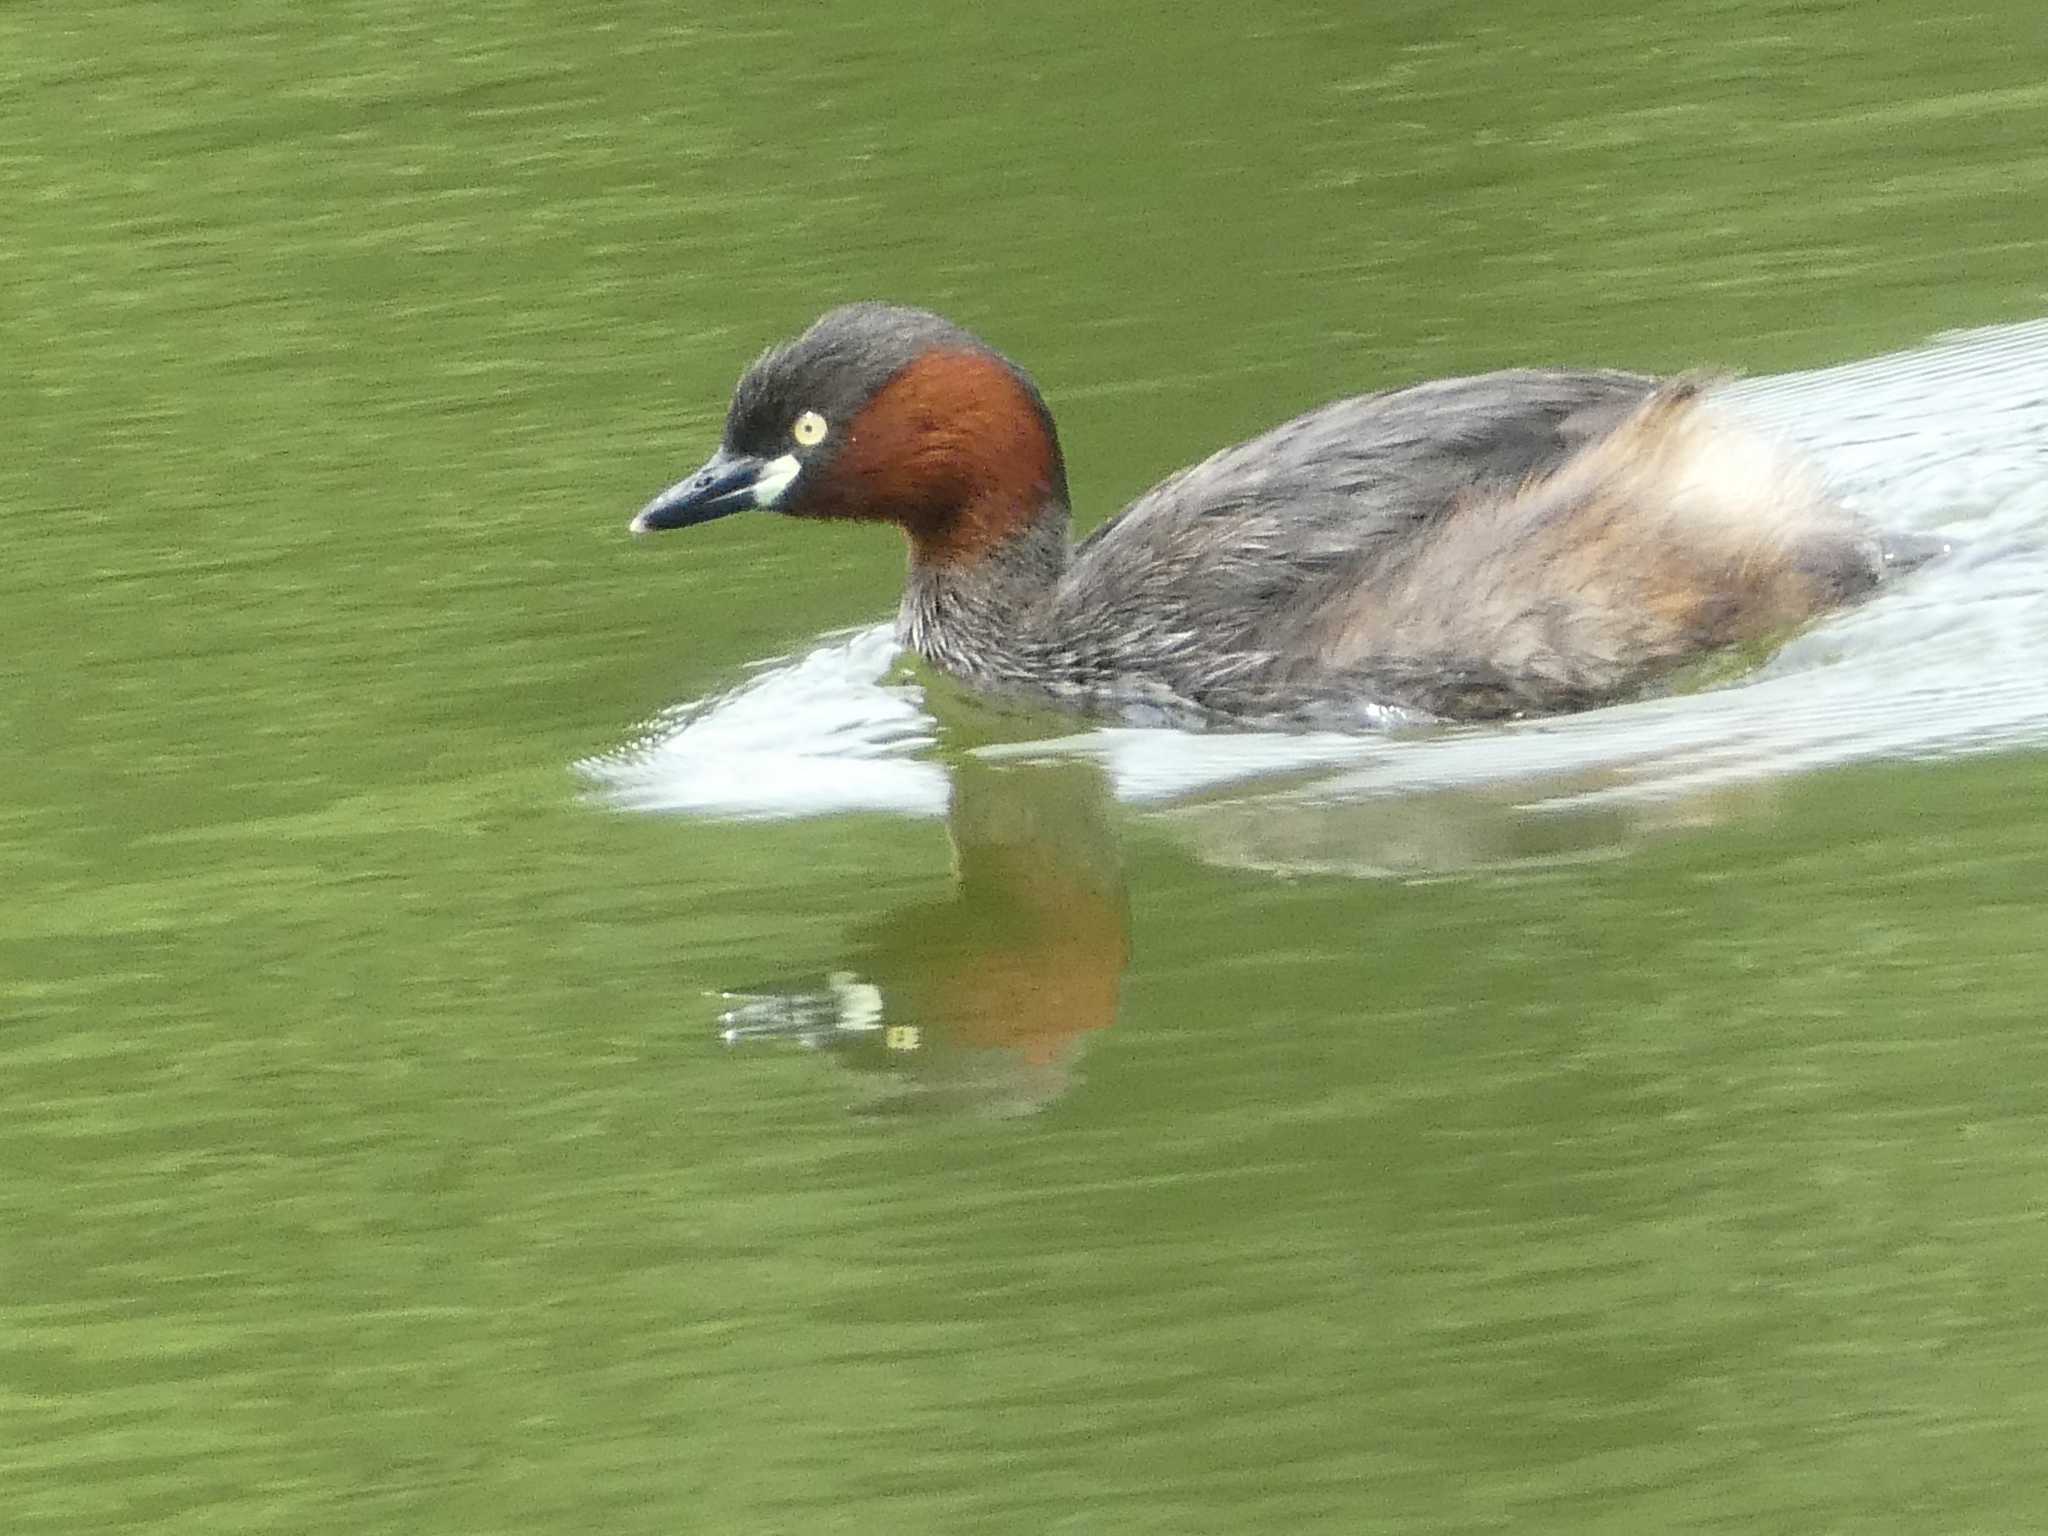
(729, 482)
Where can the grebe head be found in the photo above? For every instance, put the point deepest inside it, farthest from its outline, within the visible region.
(889, 414)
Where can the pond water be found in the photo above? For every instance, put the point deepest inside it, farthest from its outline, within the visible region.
(504, 1029)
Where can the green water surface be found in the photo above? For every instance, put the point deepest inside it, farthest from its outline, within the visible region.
(368, 1158)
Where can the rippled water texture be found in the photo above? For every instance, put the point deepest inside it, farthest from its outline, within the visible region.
(433, 1100)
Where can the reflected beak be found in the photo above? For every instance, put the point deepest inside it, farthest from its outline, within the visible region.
(729, 482)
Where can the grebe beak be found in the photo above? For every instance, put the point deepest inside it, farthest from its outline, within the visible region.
(729, 482)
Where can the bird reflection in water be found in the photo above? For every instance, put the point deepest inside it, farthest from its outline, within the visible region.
(982, 1000)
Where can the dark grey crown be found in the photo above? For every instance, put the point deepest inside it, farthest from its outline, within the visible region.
(837, 365)
(833, 368)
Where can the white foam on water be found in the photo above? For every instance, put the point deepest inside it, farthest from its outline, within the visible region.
(821, 734)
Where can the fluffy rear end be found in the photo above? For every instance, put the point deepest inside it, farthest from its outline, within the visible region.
(1676, 534)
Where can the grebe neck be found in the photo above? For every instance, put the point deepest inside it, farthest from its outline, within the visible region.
(977, 616)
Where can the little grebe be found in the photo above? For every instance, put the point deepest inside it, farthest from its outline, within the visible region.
(1514, 543)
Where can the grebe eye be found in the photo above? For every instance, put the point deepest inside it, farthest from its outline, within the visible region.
(809, 429)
